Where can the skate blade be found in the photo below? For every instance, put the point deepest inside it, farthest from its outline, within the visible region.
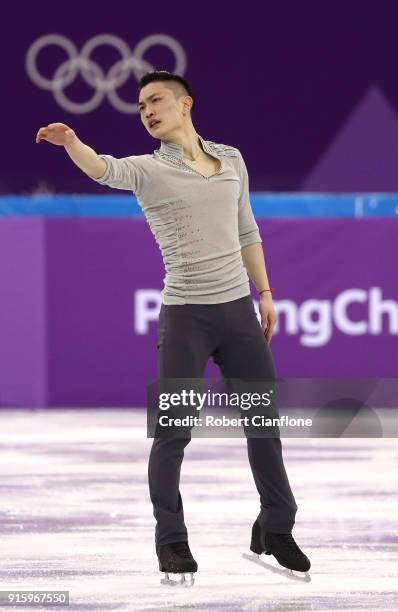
(288, 573)
(182, 582)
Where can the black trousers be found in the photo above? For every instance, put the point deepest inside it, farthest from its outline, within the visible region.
(188, 335)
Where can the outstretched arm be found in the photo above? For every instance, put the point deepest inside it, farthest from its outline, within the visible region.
(81, 154)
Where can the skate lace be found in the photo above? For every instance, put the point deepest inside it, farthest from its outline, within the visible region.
(290, 543)
(181, 548)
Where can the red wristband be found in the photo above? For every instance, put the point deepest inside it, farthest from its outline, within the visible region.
(264, 290)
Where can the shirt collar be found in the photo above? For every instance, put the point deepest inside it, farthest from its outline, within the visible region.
(173, 148)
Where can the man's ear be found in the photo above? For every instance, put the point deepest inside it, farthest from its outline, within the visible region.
(188, 103)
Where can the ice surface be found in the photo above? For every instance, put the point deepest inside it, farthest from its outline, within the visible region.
(76, 515)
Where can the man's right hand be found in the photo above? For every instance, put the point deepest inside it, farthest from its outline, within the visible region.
(57, 134)
(81, 154)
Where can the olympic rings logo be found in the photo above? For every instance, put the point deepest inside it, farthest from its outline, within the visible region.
(92, 73)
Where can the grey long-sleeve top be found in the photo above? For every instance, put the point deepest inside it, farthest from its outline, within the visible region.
(200, 223)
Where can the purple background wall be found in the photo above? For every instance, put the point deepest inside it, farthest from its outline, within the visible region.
(23, 309)
(70, 332)
(307, 90)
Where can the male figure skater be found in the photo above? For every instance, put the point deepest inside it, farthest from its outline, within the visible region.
(195, 196)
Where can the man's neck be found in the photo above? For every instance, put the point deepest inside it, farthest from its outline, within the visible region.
(190, 143)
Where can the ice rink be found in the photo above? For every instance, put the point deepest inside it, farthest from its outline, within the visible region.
(76, 516)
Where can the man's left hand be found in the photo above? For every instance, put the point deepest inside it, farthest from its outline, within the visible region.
(268, 315)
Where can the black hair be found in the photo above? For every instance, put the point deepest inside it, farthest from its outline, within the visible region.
(164, 75)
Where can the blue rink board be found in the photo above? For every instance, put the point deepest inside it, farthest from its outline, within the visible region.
(264, 204)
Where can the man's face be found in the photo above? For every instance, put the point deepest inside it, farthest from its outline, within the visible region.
(157, 102)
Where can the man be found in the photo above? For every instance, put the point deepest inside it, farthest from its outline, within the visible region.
(195, 196)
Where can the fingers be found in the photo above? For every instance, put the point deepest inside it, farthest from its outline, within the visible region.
(50, 129)
(265, 328)
(271, 329)
(42, 134)
(268, 325)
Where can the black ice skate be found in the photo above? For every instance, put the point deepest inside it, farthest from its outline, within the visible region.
(176, 558)
(282, 546)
